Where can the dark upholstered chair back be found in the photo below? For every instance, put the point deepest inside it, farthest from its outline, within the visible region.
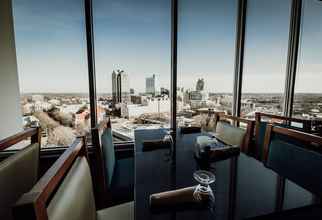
(115, 172)
(260, 136)
(108, 154)
(104, 159)
(296, 156)
(287, 122)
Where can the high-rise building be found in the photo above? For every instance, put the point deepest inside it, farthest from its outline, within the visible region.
(114, 87)
(200, 85)
(120, 87)
(150, 85)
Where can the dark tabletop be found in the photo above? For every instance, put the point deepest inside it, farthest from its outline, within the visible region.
(243, 188)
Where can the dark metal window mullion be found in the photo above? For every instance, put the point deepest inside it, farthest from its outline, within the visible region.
(174, 56)
(91, 60)
(292, 57)
(239, 56)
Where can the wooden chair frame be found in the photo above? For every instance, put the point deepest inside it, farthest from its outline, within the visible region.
(315, 142)
(310, 142)
(287, 120)
(246, 146)
(33, 133)
(32, 205)
(198, 129)
(216, 115)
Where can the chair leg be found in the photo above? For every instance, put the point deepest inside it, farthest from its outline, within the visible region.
(280, 189)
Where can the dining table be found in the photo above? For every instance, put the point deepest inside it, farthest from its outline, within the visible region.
(243, 187)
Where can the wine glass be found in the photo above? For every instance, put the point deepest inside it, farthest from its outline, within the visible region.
(203, 191)
(168, 140)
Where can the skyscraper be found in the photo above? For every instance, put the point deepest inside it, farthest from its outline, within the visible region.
(200, 85)
(150, 85)
(114, 87)
(120, 87)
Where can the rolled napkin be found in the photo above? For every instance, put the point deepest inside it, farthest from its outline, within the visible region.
(151, 145)
(173, 198)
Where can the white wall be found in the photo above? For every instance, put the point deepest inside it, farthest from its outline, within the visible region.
(151, 107)
(10, 111)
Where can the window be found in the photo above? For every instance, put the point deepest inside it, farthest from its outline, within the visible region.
(132, 46)
(53, 78)
(206, 52)
(265, 59)
(308, 91)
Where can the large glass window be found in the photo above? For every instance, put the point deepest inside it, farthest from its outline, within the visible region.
(132, 45)
(53, 78)
(206, 52)
(266, 47)
(308, 90)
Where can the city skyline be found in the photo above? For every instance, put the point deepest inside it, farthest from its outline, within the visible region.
(135, 36)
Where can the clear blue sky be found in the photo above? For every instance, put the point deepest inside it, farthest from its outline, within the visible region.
(135, 36)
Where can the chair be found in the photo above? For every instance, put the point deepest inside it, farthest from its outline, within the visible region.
(19, 172)
(260, 128)
(298, 160)
(115, 175)
(230, 131)
(66, 192)
(208, 120)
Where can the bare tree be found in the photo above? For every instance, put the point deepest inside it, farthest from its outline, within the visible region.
(45, 120)
(63, 136)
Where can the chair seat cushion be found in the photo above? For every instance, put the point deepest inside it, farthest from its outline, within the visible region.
(122, 187)
(120, 212)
